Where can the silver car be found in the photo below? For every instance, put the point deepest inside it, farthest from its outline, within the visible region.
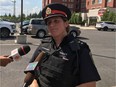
(37, 27)
(75, 31)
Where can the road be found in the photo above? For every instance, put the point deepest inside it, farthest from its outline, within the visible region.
(102, 44)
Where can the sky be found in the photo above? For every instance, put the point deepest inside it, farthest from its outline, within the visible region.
(29, 6)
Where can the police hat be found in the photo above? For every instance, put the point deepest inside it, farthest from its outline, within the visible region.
(56, 9)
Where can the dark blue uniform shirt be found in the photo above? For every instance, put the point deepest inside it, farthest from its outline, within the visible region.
(82, 66)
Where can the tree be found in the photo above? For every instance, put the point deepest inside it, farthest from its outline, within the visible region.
(114, 17)
(9, 15)
(71, 19)
(40, 14)
(109, 16)
(105, 16)
(79, 21)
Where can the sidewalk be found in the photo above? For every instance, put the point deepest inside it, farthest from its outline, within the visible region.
(84, 27)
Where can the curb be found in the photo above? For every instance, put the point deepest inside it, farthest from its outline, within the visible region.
(84, 27)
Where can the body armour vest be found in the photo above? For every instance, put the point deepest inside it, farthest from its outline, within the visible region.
(60, 67)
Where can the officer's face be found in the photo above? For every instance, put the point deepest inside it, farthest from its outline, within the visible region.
(57, 27)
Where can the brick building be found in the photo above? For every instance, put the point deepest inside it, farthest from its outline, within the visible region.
(95, 4)
(71, 4)
(91, 9)
(96, 8)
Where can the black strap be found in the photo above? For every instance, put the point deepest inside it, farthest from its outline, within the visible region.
(75, 47)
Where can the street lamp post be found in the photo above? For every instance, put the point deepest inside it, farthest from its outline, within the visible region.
(14, 2)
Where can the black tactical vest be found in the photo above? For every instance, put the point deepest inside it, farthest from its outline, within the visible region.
(60, 67)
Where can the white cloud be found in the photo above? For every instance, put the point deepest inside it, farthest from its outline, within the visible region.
(27, 11)
(35, 10)
(7, 6)
(6, 3)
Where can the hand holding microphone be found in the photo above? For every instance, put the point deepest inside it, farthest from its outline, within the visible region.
(15, 55)
(29, 72)
(4, 60)
(18, 52)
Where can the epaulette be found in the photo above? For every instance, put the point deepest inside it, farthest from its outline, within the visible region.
(77, 45)
(74, 45)
(82, 44)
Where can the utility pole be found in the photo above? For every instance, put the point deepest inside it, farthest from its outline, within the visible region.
(14, 2)
(21, 39)
(21, 15)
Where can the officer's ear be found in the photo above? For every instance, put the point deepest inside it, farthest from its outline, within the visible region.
(66, 24)
(66, 21)
(67, 28)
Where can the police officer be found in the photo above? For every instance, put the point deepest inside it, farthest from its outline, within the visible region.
(69, 62)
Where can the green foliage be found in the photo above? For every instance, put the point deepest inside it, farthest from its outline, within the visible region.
(109, 16)
(13, 18)
(72, 18)
(79, 20)
(114, 17)
(76, 18)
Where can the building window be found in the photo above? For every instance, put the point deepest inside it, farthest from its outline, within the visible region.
(71, 0)
(99, 1)
(64, 4)
(108, 0)
(93, 1)
(83, 5)
(83, 0)
(70, 5)
(64, 0)
(77, 6)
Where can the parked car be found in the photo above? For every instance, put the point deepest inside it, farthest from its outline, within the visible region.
(7, 28)
(106, 25)
(75, 31)
(25, 25)
(37, 27)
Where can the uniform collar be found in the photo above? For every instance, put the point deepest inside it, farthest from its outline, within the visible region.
(68, 38)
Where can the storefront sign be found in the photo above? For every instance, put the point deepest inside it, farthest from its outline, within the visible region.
(101, 12)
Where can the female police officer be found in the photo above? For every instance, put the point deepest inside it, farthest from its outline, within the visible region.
(69, 63)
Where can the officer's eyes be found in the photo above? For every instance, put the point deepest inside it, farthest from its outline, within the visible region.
(49, 22)
(54, 21)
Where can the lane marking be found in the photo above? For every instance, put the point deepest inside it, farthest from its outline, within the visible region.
(10, 44)
(19, 44)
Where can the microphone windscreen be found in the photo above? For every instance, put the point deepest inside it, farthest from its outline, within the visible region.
(24, 50)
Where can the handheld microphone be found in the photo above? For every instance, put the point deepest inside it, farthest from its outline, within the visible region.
(18, 52)
(30, 76)
(15, 55)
